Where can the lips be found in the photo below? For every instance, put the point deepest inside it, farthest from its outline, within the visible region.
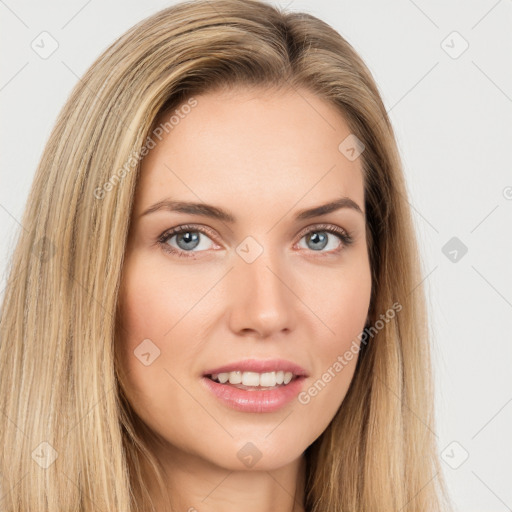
(256, 399)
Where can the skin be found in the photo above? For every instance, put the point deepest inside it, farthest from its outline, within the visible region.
(263, 155)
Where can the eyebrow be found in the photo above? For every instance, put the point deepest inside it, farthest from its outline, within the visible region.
(215, 212)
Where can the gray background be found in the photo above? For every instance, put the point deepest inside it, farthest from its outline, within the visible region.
(452, 112)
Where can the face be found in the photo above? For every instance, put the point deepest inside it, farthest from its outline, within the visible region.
(264, 284)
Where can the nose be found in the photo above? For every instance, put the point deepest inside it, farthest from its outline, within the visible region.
(261, 297)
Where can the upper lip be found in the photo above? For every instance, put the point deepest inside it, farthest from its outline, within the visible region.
(259, 366)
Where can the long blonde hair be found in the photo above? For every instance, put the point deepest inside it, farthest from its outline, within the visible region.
(69, 440)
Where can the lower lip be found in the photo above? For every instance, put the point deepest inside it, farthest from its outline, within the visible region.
(253, 400)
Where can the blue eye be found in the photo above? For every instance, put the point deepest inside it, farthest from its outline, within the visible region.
(323, 238)
(188, 238)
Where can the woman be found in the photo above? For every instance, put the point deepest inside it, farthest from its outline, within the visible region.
(218, 304)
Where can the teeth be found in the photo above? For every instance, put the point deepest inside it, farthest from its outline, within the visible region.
(267, 379)
(235, 377)
(251, 379)
(223, 377)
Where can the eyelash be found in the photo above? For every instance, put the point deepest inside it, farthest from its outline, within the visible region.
(345, 237)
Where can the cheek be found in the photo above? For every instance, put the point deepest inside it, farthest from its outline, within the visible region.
(142, 321)
(148, 310)
(154, 299)
(344, 306)
(155, 322)
(343, 311)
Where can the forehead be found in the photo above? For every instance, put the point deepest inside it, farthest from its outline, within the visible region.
(254, 147)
